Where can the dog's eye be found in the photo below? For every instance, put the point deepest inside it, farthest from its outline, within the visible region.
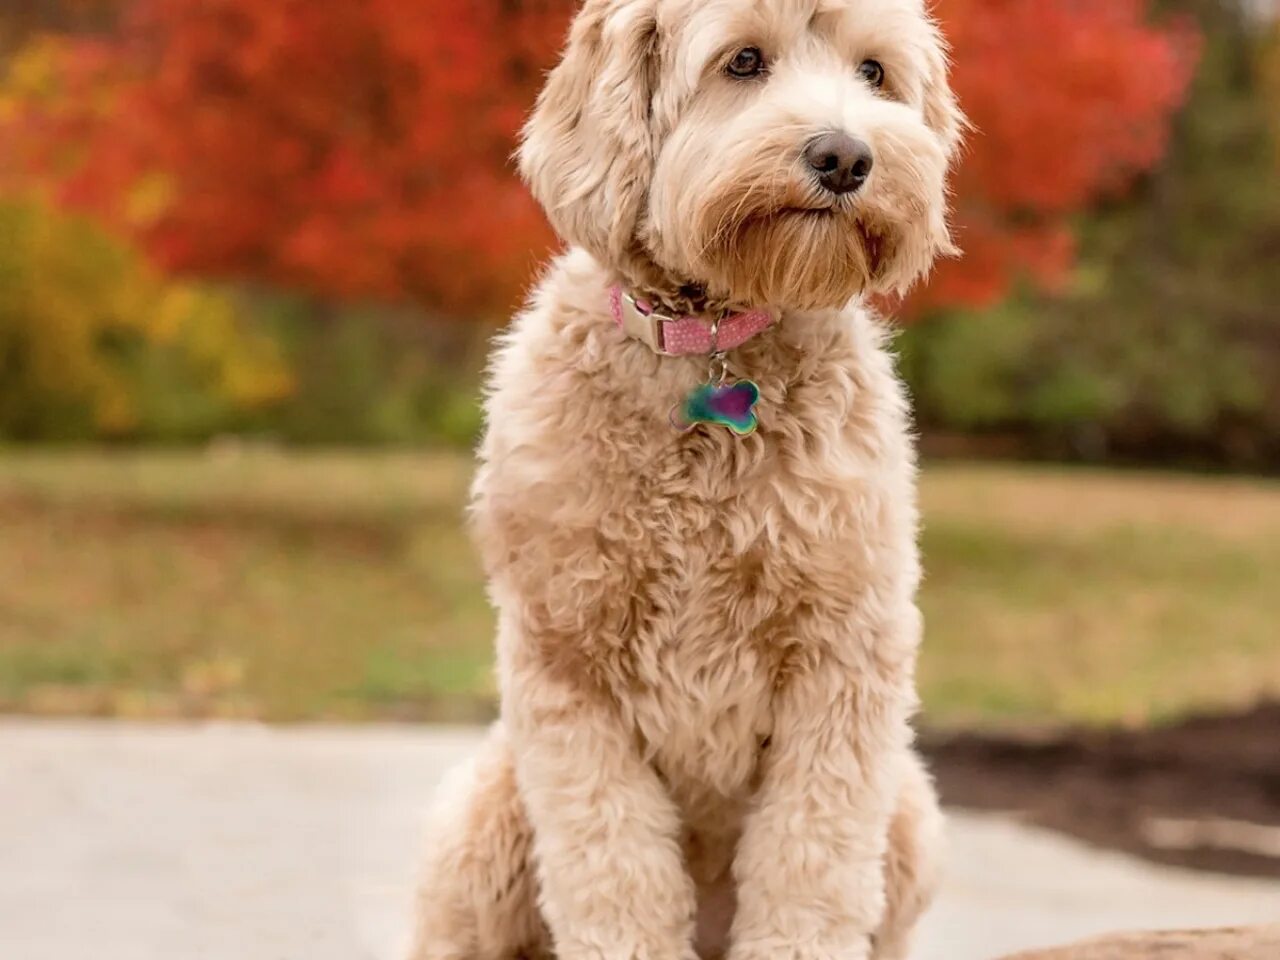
(872, 72)
(746, 63)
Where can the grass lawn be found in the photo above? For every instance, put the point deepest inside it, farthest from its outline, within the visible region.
(341, 586)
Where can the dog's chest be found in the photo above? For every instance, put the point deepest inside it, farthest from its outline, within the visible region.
(707, 673)
(686, 577)
(720, 615)
(705, 734)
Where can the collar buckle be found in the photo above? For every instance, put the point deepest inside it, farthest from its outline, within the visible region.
(646, 327)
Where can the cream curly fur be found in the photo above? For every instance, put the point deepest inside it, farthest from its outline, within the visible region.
(706, 643)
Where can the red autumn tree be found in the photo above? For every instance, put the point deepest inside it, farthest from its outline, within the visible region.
(1070, 100)
(357, 149)
(350, 149)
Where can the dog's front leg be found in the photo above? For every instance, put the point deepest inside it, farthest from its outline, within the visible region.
(613, 883)
(810, 866)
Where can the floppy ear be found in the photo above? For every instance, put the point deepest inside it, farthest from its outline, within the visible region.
(941, 109)
(587, 152)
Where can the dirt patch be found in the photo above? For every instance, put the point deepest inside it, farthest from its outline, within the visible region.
(1203, 794)
(1259, 944)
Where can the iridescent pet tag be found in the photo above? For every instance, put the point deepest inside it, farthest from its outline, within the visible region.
(730, 405)
(719, 401)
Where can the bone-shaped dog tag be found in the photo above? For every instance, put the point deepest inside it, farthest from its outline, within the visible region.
(729, 405)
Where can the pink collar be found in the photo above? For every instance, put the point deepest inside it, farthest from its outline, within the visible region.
(687, 335)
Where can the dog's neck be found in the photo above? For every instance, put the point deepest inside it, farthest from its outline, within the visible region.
(669, 293)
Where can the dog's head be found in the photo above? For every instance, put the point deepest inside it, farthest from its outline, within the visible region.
(790, 153)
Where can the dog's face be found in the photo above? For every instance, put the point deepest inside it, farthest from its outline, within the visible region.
(790, 153)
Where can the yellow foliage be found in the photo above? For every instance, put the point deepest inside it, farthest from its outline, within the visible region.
(94, 342)
(246, 371)
(149, 199)
(33, 72)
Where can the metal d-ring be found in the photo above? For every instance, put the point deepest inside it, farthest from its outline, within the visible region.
(717, 363)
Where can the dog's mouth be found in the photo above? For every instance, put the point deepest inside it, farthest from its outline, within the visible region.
(790, 214)
(876, 244)
(818, 213)
(873, 245)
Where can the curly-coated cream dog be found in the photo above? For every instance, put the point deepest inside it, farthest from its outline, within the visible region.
(707, 630)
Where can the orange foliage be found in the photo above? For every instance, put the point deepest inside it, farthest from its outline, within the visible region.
(1070, 100)
(362, 149)
(352, 149)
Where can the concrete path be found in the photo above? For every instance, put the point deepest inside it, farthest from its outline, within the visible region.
(128, 842)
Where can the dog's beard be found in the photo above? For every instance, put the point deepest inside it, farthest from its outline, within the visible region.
(793, 256)
(772, 236)
(814, 253)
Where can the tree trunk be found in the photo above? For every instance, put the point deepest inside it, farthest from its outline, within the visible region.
(1262, 943)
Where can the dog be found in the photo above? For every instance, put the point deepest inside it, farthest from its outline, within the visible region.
(696, 501)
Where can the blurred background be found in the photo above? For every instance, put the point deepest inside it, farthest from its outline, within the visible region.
(251, 255)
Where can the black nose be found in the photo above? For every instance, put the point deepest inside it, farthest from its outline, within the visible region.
(841, 162)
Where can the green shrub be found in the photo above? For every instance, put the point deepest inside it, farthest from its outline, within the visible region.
(1166, 347)
(370, 375)
(94, 344)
